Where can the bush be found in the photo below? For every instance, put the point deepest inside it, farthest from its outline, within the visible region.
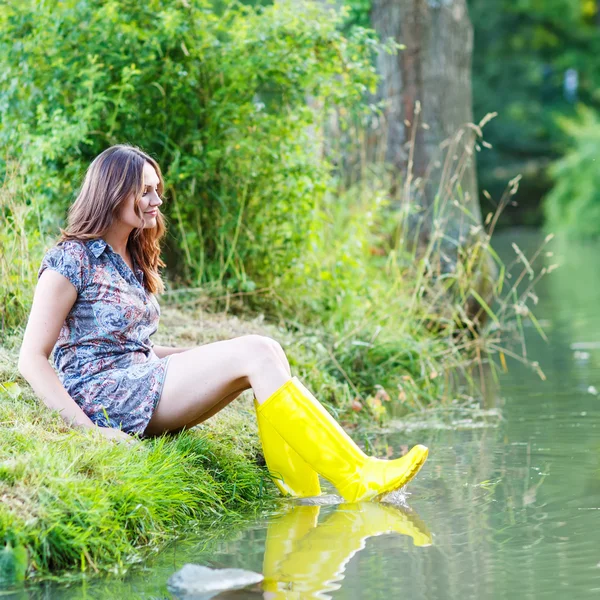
(21, 250)
(573, 205)
(219, 98)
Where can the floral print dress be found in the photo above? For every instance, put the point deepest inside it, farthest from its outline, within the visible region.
(103, 355)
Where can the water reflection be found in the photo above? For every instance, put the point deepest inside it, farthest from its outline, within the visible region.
(305, 558)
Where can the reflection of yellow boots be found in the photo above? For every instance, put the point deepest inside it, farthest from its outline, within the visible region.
(290, 473)
(315, 435)
(283, 534)
(316, 561)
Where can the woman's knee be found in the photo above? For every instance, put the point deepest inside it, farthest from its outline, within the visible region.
(262, 351)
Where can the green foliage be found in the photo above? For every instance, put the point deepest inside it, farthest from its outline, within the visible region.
(522, 50)
(392, 323)
(360, 305)
(218, 98)
(573, 205)
(358, 12)
(21, 250)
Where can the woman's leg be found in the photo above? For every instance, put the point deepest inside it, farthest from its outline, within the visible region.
(202, 380)
(223, 403)
(212, 411)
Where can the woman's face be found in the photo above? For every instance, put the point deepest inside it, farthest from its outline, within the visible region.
(149, 202)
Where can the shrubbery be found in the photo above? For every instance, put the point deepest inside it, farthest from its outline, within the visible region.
(573, 205)
(234, 102)
(219, 98)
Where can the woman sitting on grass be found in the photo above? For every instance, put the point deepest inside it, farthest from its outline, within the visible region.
(94, 305)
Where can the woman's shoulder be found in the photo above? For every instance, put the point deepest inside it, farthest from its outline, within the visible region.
(71, 250)
(71, 247)
(72, 244)
(69, 257)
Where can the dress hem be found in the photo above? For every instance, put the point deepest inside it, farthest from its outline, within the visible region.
(159, 394)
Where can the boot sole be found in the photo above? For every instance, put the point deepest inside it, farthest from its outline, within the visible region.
(416, 467)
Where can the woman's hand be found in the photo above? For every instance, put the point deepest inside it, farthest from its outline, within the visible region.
(112, 433)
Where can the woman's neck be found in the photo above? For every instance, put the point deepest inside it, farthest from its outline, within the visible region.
(118, 241)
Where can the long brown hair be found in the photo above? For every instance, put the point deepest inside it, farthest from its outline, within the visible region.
(110, 179)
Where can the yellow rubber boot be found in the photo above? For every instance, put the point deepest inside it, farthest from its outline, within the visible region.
(315, 435)
(316, 563)
(292, 475)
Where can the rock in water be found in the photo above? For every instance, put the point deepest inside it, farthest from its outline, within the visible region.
(195, 582)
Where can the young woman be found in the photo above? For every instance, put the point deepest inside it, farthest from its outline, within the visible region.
(94, 306)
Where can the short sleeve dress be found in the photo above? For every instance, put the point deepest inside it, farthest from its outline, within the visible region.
(103, 355)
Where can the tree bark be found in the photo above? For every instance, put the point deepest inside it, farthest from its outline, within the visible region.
(433, 72)
(430, 139)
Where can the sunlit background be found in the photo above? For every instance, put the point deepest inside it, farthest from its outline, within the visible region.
(406, 194)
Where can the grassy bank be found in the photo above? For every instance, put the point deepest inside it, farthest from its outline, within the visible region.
(73, 502)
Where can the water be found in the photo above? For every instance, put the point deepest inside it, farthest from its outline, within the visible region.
(506, 511)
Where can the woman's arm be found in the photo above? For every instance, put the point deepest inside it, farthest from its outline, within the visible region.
(48, 388)
(53, 299)
(162, 351)
(41, 377)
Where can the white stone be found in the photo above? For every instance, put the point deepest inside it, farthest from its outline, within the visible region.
(195, 582)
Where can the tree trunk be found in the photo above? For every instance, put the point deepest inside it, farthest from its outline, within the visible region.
(430, 140)
(433, 72)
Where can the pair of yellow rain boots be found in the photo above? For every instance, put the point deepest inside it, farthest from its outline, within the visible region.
(301, 439)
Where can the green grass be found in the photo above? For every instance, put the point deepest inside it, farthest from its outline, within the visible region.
(74, 501)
